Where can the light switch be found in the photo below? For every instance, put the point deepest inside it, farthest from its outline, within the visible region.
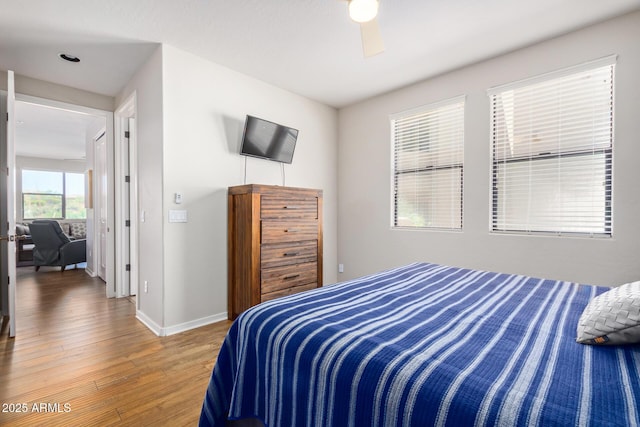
(177, 215)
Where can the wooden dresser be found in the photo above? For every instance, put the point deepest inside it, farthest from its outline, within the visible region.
(274, 243)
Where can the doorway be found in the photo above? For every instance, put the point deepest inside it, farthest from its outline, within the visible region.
(77, 140)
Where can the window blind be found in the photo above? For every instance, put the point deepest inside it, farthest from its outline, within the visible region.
(552, 153)
(428, 145)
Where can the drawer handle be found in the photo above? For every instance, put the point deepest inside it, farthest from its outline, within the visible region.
(291, 230)
(293, 276)
(291, 207)
(291, 253)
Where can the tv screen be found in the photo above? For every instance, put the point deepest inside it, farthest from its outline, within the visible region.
(268, 140)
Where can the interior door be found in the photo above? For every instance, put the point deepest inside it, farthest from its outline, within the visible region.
(126, 212)
(8, 226)
(101, 196)
(131, 241)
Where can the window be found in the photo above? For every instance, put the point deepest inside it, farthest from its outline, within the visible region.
(50, 194)
(552, 143)
(427, 166)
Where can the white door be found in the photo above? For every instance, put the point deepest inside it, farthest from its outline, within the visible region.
(8, 234)
(126, 194)
(126, 212)
(133, 212)
(101, 198)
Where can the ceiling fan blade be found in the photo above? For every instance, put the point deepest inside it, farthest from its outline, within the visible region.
(371, 38)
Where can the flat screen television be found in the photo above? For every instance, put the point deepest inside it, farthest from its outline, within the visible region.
(267, 140)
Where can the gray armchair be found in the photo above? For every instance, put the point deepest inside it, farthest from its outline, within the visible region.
(54, 248)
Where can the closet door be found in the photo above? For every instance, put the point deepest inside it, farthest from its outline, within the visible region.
(101, 199)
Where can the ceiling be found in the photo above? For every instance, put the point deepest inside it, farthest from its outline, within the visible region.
(309, 47)
(53, 133)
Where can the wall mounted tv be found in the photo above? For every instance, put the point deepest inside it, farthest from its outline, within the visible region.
(268, 140)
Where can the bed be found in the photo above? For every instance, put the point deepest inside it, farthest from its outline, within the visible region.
(423, 345)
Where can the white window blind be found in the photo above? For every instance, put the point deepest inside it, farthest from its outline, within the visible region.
(552, 153)
(428, 145)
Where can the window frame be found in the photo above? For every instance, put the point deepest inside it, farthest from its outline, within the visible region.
(63, 195)
(587, 151)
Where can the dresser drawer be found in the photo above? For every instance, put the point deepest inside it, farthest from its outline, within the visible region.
(280, 254)
(288, 208)
(290, 231)
(280, 278)
(287, 291)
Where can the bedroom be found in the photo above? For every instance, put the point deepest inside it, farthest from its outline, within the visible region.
(190, 112)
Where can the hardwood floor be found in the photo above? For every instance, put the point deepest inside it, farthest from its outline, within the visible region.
(93, 363)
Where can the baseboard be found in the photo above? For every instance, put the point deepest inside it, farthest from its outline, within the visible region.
(90, 272)
(182, 327)
(146, 321)
(176, 329)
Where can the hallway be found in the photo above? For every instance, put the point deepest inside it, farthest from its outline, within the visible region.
(90, 362)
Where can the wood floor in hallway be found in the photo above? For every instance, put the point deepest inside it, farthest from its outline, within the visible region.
(81, 359)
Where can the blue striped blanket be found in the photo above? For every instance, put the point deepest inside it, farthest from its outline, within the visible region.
(423, 345)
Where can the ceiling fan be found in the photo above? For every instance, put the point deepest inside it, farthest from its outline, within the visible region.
(365, 13)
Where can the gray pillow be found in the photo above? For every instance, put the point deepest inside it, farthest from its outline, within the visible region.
(22, 229)
(612, 317)
(66, 228)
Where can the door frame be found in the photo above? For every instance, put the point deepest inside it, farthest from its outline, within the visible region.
(4, 267)
(8, 216)
(123, 121)
(108, 116)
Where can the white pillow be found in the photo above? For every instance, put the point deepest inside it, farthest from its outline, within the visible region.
(612, 317)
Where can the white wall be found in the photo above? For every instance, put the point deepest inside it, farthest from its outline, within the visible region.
(147, 83)
(366, 242)
(190, 114)
(204, 110)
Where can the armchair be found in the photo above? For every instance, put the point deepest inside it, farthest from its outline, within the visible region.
(53, 247)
